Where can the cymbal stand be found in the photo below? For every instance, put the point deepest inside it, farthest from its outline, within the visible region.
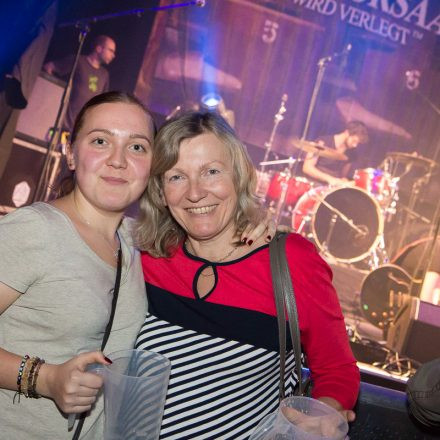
(284, 188)
(409, 210)
(277, 119)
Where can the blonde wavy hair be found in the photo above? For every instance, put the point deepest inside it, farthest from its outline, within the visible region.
(155, 230)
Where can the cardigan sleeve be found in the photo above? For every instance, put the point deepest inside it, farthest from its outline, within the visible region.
(322, 328)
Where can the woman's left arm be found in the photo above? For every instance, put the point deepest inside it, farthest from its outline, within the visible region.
(333, 367)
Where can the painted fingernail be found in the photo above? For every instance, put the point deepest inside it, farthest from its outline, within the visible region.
(250, 242)
(244, 240)
(269, 237)
(108, 360)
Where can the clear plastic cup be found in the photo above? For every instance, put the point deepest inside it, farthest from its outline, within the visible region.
(135, 386)
(302, 418)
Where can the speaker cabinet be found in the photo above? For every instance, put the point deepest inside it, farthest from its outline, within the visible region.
(22, 173)
(415, 331)
(40, 114)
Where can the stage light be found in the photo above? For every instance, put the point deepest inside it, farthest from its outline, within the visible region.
(211, 101)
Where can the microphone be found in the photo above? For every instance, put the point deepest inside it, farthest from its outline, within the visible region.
(330, 58)
(200, 3)
(173, 113)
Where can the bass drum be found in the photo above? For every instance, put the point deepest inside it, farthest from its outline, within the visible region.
(327, 214)
(383, 292)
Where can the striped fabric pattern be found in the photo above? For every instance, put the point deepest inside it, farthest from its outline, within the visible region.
(218, 389)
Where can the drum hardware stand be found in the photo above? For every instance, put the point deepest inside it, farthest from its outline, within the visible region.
(277, 119)
(409, 210)
(429, 251)
(394, 363)
(379, 254)
(342, 216)
(329, 233)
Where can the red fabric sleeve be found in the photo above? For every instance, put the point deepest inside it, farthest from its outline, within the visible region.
(323, 335)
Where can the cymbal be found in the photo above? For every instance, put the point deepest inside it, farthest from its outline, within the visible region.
(290, 161)
(318, 149)
(412, 158)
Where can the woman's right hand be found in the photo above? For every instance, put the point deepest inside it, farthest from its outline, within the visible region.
(72, 388)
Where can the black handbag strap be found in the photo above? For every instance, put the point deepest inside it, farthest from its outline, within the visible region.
(285, 302)
(114, 300)
(107, 331)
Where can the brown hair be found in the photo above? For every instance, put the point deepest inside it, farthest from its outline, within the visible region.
(67, 183)
(358, 128)
(156, 230)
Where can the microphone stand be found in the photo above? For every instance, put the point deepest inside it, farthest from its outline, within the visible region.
(43, 190)
(322, 65)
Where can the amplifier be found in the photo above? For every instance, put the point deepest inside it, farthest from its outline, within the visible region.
(22, 173)
(415, 331)
(40, 114)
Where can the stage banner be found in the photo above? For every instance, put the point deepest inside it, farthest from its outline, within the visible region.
(379, 62)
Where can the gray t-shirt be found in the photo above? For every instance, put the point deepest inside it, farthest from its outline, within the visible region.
(63, 310)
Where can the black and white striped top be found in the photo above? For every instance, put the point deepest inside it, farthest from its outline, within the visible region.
(223, 351)
(219, 388)
(223, 347)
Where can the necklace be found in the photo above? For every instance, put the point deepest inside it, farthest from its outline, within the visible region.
(211, 274)
(87, 222)
(189, 245)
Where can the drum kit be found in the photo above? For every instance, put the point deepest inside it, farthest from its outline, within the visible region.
(346, 222)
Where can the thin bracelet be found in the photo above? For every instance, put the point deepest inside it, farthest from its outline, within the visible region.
(34, 362)
(21, 368)
(33, 389)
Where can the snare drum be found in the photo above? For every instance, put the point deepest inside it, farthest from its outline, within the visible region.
(330, 230)
(376, 182)
(296, 187)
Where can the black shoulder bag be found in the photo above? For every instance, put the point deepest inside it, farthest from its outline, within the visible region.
(106, 333)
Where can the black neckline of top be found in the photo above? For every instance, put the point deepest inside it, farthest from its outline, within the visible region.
(222, 263)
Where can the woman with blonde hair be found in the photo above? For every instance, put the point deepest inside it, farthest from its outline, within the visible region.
(211, 302)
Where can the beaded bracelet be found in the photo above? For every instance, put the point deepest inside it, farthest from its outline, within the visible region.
(20, 371)
(21, 368)
(27, 377)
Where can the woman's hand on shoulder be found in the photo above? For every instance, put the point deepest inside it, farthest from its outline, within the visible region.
(72, 388)
(265, 230)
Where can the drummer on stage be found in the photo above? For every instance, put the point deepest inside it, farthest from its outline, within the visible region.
(332, 170)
